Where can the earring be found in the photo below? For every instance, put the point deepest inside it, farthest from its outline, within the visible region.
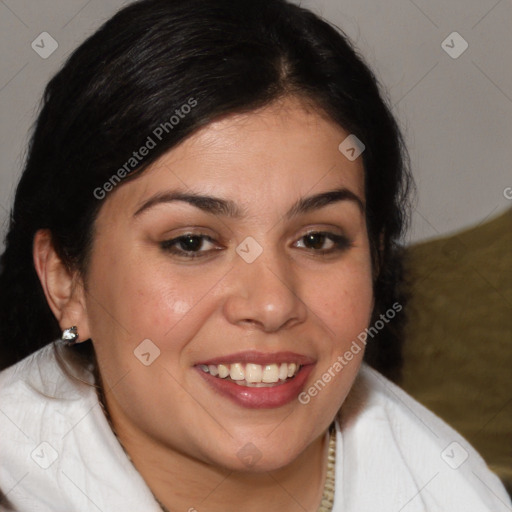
(70, 335)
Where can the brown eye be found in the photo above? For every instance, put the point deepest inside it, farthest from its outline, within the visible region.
(318, 240)
(188, 245)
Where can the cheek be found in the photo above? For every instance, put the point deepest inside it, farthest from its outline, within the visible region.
(158, 303)
(343, 299)
(342, 303)
(168, 305)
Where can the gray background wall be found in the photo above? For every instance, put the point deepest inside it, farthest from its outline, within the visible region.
(456, 112)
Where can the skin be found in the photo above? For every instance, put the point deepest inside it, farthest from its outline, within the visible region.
(182, 436)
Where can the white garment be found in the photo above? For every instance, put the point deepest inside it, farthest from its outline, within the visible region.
(393, 455)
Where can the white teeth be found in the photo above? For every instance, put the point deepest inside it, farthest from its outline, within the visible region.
(283, 371)
(237, 372)
(253, 374)
(270, 373)
(223, 371)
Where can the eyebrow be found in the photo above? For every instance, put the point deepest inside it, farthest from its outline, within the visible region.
(228, 208)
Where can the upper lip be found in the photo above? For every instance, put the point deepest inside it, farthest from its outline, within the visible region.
(253, 356)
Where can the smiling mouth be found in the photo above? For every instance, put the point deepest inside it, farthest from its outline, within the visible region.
(253, 375)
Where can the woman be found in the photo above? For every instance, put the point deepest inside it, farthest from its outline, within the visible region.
(202, 244)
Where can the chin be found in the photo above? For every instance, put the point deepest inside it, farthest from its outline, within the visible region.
(257, 452)
(250, 459)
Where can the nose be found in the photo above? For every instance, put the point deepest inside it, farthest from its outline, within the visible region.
(265, 294)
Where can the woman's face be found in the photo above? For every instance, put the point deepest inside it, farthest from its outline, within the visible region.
(252, 288)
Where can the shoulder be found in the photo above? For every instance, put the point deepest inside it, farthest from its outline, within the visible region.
(38, 404)
(56, 446)
(405, 452)
(41, 379)
(40, 396)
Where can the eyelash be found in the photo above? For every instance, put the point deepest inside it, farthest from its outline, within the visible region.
(341, 242)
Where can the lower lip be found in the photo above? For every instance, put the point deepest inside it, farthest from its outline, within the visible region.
(260, 398)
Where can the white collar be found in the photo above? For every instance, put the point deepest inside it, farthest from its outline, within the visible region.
(388, 450)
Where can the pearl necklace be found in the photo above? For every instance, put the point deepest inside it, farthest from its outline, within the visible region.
(327, 500)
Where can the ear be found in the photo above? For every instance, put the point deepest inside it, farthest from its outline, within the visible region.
(63, 288)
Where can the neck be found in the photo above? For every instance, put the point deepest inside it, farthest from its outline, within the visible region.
(180, 482)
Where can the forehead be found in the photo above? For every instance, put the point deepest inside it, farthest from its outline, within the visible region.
(260, 159)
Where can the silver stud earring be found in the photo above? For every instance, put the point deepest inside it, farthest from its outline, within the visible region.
(70, 335)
